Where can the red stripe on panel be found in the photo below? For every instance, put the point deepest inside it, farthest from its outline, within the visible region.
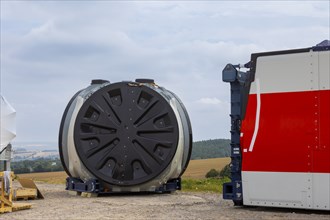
(293, 133)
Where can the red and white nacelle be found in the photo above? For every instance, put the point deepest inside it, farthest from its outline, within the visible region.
(285, 135)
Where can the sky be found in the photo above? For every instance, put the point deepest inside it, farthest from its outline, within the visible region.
(52, 49)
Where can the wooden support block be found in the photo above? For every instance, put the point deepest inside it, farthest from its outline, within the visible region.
(74, 193)
(25, 193)
(6, 209)
(6, 204)
(21, 206)
(89, 195)
(28, 183)
(6, 197)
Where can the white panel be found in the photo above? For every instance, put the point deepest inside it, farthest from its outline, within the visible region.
(321, 191)
(315, 80)
(292, 72)
(324, 69)
(286, 189)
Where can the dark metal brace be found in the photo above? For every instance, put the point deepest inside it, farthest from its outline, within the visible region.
(239, 87)
(95, 186)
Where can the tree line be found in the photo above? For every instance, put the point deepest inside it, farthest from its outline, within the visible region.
(201, 150)
(35, 166)
(210, 149)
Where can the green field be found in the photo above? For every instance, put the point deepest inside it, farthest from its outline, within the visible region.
(192, 180)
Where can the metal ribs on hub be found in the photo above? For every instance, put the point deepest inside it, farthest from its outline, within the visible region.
(126, 134)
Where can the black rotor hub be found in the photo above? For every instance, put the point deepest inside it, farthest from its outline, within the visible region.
(126, 134)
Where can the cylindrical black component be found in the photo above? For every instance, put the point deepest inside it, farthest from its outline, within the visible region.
(127, 135)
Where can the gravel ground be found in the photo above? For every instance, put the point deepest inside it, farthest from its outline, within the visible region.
(58, 204)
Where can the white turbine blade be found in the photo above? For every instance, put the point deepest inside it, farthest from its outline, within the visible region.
(7, 123)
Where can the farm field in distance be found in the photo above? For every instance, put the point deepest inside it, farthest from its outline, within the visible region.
(196, 170)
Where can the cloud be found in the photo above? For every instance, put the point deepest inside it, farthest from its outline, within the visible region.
(210, 101)
(50, 50)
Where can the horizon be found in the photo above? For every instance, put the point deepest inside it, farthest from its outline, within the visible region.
(47, 145)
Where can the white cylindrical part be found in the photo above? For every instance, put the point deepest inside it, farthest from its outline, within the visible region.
(8, 123)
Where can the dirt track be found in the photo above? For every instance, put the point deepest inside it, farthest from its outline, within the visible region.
(58, 204)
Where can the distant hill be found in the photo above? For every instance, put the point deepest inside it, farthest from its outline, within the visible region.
(211, 149)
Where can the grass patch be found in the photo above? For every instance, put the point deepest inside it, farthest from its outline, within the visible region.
(204, 185)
